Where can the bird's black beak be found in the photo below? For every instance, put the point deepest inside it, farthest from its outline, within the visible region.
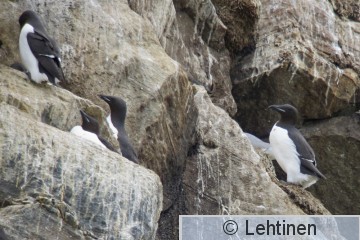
(84, 116)
(105, 98)
(276, 108)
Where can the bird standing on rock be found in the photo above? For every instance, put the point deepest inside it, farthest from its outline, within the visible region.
(118, 114)
(39, 53)
(291, 150)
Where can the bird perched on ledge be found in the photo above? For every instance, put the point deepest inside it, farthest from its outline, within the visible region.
(39, 53)
(117, 116)
(291, 150)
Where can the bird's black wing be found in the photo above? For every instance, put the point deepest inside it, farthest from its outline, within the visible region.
(107, 144)
(306, 154)
(127, 149)
(47, 53)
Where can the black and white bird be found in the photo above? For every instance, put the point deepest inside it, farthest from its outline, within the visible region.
(291, 150)
(114, 131)
(90, 130)
(118, 114)
(39, 53)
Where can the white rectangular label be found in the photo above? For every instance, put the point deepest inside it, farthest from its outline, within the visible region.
(269, 227)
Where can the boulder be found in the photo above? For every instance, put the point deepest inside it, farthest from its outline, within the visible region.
(109, 49)
(224, 175)
(193, 35)
(240, 18)
(336, 142)
(54, 181)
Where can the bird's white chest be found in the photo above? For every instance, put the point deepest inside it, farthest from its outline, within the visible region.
(80, 132)
(27, 57)
(112, 128)
(284, 150)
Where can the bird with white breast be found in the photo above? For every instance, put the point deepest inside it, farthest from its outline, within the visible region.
(293, 153)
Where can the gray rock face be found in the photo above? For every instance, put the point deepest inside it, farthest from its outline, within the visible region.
(225, 175)
(337, 142)
(14, 218)
(306, 55)
(193, 35)
(305, 52)
(347, 9)
(107, 48)
(149, 52)
(58, 179)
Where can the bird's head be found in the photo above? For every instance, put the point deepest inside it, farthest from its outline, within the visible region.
(89, 123)
(288, 112)
(117, 106)
(27, 16)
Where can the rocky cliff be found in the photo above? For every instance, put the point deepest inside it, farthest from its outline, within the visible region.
(195, 75)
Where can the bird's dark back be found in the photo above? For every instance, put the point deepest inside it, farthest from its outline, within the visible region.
(127, 149)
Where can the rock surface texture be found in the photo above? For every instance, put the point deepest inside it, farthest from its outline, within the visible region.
(303, 51)
(185, 69)
(223, 173)
(56, 185)
(337, 143)
(306, 54)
